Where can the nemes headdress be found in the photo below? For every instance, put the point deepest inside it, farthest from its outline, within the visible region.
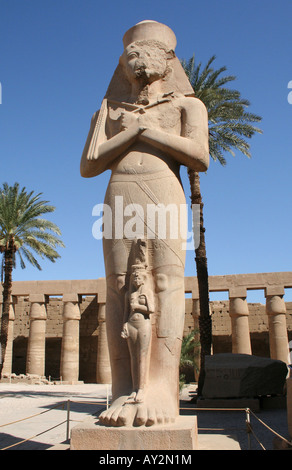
(176, 81)
(153, 30)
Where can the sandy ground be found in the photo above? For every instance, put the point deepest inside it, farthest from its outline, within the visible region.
(46, 407)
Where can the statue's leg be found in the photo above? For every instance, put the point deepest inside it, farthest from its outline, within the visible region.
(144, 339)
(133, 348)
(166, 261)
(118, 350)
(160, 403)
(139, 345)
(162, 393)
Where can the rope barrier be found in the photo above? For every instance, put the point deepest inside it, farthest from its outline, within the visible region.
(214, 409)
(249, 428)
(270, 429)
(248, 412)
(89, 402)
(32, 437)
(32, 416)
(101, 402)
(54, 407)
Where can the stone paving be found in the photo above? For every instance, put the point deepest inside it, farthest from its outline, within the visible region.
(223, 430)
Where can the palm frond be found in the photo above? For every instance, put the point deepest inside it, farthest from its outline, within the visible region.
(230, 125)
(20, 220)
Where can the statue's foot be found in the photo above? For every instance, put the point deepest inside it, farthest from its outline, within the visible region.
(143, 414)
(110, 417)
(140, 396)
(136, 397)
(132, 398)
(128, 411)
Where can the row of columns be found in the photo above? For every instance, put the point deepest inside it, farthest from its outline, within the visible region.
(69, 363)
(239, 313)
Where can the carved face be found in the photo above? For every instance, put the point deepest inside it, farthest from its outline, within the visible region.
(145, 62)
(138, 277)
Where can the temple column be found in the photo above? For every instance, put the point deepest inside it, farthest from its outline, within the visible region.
(7, 365)
(35, 359)
(276, 311)
(238, 311)
(103, 368)
(69, 367)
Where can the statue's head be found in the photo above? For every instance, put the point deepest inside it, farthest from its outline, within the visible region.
(150, 30)
(139, 275)
(148, 55)
(148, 46)
(145, 61)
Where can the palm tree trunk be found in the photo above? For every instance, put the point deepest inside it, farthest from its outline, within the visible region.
(7, 290)
(205, 322)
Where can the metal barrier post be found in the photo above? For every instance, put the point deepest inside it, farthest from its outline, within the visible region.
(248, 427)
(68, 420)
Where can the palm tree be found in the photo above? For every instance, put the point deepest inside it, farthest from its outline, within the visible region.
(22, 230)
(229, 127)
(190, 346)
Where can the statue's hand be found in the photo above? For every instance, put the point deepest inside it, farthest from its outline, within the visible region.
(132, 120)
(125, 331)
(129, 120)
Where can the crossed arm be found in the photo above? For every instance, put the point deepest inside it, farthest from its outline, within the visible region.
(189, 149)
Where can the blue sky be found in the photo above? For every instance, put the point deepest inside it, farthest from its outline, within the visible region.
(56, 60)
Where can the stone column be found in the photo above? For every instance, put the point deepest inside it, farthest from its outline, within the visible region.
(238, 311)
(276, 311)
(103, 368)
(69, 367)
(35, 359)
(7, 366)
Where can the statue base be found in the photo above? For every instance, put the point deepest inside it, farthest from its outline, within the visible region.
(181, 435)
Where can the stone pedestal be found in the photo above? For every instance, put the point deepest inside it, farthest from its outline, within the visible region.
(181, 435)
(232, 375)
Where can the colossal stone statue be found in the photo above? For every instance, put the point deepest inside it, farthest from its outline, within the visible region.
(149, 124)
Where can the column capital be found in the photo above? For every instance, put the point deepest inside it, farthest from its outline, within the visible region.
(238, 306)
(37, 307)
(275, 304)
(71, 309)
(13, 301)
(101, 312)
